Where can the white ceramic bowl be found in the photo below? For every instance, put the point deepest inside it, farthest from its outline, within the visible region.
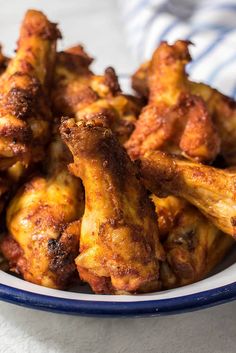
(217, 288)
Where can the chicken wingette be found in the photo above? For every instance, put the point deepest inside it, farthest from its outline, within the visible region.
(211, 190)
(78, 93)
(119, 245)
(24, 87)
(221, 108)
(193, 245)
(174, 119)
(43, 223)
(71, 80)
(168, 210)
(223, 112)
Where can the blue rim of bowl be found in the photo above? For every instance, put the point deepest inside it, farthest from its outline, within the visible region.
(102, 308)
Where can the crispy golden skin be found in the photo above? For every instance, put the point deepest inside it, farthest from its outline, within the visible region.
(193, 245)
(209, 189)
(120, 111)
(77, 92)
(223, 112)
(71, 82)
(168, 210)
(24, 110)
(174, 120)
(43, 224)
(119, 245)
(221, 108)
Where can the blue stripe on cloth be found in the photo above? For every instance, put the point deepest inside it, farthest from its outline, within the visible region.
(207, 51)
(233, 94)
(207, 27)
(204, 7)
(215, 72)
(167, 30)
(145, 25)
(139, 6)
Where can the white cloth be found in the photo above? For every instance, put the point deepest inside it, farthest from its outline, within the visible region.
(210, 25)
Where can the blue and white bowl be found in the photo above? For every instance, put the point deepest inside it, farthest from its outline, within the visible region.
(216, 289)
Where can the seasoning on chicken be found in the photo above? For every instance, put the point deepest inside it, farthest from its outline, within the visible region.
(78, 93)
(119, 245)
(174, 120)
(193, 245)
(223, 112)
(43, 223)
(24, 86)
(221, 108)
(211, 190)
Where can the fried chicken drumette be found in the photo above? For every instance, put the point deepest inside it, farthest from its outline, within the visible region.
(72, 76)
(119, 245)
(223, 112)
(221, 108)
(174, 119)
(209, 189)
(43, 223)
(24, 86)
(78, 93)
(193, 245)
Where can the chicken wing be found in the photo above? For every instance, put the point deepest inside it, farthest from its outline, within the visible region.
(223, 112)
(168, 210)
(79, 93)
(24, 86)
(43, 224)
(119, 244)
(174, 119)
(211, 190)
(193, 245)
(71, 80)
(221, 108)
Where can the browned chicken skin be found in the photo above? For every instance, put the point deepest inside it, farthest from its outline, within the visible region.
(71, 81)
(193, 245)
(78, 93)
(168, 210)
(174, 120)
(223, 112)
(113, 238)
(43, 223)
(119, 246)
(221, 108)
(24, 110)
(211, 190)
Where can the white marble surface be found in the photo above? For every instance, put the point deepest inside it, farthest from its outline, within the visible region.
(97, 24)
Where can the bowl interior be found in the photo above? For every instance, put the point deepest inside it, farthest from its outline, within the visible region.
(223, 274)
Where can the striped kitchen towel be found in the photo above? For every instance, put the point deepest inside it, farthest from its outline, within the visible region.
(209, 24)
